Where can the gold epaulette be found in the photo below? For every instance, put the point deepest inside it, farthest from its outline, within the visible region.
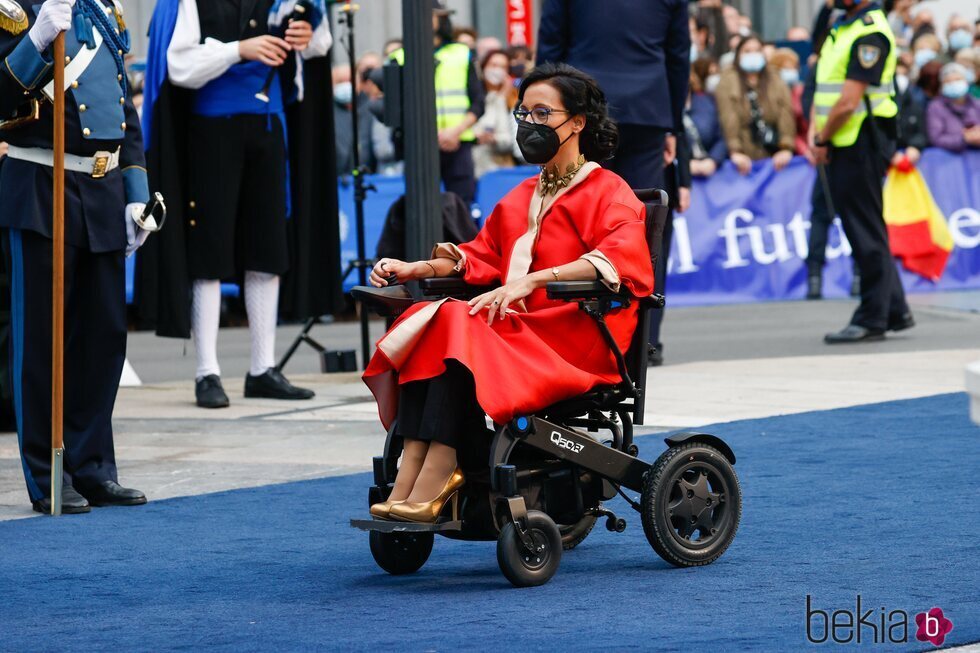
(13, 18)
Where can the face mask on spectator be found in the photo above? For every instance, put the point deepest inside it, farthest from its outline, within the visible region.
(843, 4)
(902, 82)
(517, 70)
(694, 53)
(956, 90)
(711, 83)
(752, 62)
(495, 76)
(343, 93)
(790, 75)
(924, 56)
(960, 39)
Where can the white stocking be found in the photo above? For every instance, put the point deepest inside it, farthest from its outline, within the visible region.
(262, 306)
(205, 315)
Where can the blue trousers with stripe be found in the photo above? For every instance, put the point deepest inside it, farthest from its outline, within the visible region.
(95, 351)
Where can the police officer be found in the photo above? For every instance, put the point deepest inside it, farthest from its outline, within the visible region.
(106, 187)
(459, 104)
(854, 136)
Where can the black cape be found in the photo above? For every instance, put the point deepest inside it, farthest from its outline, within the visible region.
(312, 286)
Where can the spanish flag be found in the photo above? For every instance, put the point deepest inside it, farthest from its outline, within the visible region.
(917, 228)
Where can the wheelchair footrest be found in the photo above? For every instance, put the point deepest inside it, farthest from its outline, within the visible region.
(388, 526)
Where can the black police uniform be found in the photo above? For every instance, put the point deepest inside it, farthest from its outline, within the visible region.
(855, 176)
(100, 118)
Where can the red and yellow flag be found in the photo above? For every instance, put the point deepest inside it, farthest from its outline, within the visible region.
(917, 228)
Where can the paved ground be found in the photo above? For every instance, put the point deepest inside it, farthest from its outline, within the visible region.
(723, 363)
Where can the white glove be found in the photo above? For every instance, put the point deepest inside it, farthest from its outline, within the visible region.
(53, 19)
(135, 235)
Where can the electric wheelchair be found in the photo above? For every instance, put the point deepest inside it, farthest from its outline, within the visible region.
(547, 475)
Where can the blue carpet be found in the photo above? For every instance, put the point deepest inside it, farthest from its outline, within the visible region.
(878, 500)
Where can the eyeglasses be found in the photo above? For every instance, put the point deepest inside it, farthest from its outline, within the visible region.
(539, 115)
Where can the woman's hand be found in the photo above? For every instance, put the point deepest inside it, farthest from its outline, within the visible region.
(742, 162)
(388, 267)
(298, 34)
(781, 159)
(499, 299)
(913, 155)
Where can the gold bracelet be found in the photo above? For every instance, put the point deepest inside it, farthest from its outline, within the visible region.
(432, 267)
(554, 272)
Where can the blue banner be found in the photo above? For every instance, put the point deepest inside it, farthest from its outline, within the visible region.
(744, 238)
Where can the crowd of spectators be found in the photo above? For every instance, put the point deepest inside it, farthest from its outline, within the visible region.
(749, 98)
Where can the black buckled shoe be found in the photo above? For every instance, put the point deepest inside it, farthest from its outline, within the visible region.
(210, 393)
(72, 503)
(854, 333)
(902, 323)
(110, 493)
(273, 385)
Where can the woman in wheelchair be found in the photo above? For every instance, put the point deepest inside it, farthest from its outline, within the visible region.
(510, 351)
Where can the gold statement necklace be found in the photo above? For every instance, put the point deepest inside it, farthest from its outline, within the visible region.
(551, 181)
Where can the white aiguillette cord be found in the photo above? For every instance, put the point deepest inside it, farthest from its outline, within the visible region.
(77, 66)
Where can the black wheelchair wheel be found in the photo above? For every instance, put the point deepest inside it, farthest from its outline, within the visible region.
(525, 568)
(401, 553)
(574, 534)
(691, 505)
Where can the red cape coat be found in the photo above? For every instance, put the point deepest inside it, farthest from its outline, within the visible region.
(552, 352)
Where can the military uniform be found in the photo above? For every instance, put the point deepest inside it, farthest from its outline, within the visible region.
(861, 47)
(104, 171)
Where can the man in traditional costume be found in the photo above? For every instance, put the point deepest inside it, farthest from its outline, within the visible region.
(221, 78)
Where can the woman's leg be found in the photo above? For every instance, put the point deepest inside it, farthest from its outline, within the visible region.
(413, 455)
(450, 412)
(411, 406)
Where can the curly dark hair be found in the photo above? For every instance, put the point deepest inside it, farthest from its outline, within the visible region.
(581, 96)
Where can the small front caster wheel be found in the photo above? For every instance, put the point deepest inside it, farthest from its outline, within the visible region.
(401, 553)
(527, 568)
(615, 524)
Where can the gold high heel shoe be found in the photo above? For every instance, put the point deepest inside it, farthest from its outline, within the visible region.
(428, 512)
(382, 509)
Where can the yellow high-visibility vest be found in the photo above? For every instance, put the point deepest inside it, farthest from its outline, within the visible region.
(832, 72)
(452, 79)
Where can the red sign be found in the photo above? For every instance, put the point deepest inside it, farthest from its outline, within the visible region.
(519, 22)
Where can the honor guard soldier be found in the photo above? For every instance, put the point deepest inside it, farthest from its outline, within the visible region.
(854, 138)
(106, 191)
(225, 73)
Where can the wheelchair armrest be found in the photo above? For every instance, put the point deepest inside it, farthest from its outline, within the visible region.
(390, 301)
(450, 287)
(571, 291)
(656, 300)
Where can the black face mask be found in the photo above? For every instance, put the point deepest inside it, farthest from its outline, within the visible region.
(842, 4)
(539, 143)
(517, 70)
